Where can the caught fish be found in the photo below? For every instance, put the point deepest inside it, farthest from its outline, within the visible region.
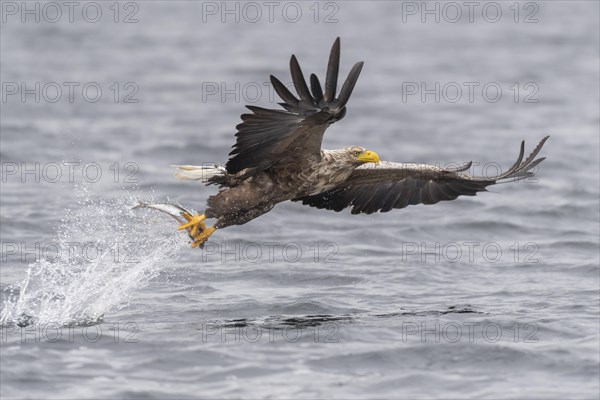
(180, 214)
(173, 210)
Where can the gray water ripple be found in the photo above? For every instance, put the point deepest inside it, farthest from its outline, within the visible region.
(375, 294)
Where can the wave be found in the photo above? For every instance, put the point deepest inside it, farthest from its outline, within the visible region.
(104, 252)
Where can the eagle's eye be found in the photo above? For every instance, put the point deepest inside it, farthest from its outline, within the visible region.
(356, 153)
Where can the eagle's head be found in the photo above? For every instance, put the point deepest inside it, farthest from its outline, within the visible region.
(356, 155)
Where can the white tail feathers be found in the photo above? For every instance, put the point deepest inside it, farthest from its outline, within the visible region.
(199, 173)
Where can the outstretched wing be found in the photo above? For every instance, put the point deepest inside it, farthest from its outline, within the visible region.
(387, 185)
(269, 136)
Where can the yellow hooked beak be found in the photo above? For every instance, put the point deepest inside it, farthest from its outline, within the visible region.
(368, 156)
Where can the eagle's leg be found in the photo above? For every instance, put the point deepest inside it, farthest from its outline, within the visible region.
(195, 226)
(195, 223)
(202, 237)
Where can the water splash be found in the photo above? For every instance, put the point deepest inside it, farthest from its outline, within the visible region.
(103, 253)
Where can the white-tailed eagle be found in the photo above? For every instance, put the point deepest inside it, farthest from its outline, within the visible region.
(278, 157)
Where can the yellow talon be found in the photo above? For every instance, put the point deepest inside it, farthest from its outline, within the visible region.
(200, 238)
(194, 223)
(195, 228)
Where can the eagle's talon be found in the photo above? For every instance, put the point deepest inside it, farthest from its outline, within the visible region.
(196, 229)
(194, 222)
(202, 237)
(200, 227)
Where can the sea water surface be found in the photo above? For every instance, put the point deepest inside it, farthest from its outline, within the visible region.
(495, 296)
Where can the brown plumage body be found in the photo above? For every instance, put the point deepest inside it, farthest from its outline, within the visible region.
(246, 198)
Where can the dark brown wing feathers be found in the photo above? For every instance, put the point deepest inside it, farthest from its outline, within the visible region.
(385, 186)
(262, 136)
